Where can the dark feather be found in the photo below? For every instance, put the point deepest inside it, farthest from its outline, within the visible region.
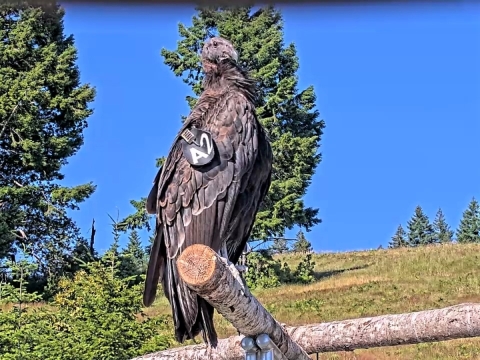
(156, 268)
(212, 204)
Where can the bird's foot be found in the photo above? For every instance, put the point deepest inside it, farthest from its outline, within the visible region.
(241, 268)
(235, 270)
(240, 279)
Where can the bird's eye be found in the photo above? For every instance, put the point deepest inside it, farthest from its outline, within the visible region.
(215, 43)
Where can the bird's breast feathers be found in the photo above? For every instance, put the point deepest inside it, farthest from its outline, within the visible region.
(228, 130)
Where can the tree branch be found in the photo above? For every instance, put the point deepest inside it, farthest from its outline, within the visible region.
(208, 275)
(454, 322)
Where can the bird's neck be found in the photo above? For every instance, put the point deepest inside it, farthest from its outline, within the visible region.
(217, 83)
(228, 76)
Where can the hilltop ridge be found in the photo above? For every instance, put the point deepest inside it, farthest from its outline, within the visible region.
(376, 282)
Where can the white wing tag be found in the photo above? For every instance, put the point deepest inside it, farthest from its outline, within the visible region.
(198, 146)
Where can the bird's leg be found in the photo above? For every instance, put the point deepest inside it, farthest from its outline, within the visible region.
(234, 269)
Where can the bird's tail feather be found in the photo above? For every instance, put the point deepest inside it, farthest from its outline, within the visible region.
(206, 313)
(192, 315)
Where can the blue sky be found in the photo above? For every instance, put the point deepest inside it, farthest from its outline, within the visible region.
(398, 87)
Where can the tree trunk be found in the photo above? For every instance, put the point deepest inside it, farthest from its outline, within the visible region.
(205, 273)
(454, 322)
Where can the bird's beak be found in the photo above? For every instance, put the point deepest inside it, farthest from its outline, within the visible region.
(232, 54)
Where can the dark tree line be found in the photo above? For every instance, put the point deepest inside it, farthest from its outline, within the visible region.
(421, 232)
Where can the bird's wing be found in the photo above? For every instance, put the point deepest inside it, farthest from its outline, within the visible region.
(250, 202)
(151, 205)
(195, 205)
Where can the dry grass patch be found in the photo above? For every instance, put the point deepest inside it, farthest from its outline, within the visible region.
(376, 282)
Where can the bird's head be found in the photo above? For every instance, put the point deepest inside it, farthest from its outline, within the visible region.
(216, 50)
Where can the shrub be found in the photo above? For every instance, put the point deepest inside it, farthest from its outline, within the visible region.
(95, 316)
(304, 272)
(266, 272)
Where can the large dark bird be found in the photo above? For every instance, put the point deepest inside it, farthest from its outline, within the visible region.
(210, 187)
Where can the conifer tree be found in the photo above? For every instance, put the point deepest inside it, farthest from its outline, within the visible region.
(43, 112)
(134, 247)
(279, 246)
(133, 256)
(443, 234)
(301, 244)
(399, 239)
(469, 228)
(287, 113)
(420, 231)
(113, 252)
(81, 255)
(111, 257)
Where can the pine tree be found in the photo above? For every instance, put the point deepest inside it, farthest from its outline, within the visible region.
(302, 245)
(287, 113)
(279, 246)
(420, 231)
(469, 229)
(43, 112)
(111, 257)
(134, 246)
(80, 256)
(399, 239)
(148, 248)
(443, 234)
(140, 219)
(133, 256)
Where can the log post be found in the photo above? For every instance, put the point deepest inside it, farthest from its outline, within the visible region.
(453, 322)
(204, 272)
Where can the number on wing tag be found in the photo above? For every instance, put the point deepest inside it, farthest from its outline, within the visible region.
(197, 146)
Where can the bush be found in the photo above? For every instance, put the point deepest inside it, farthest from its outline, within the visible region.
(95, 316)
(266, 272)
(263, 271)
(304, 273)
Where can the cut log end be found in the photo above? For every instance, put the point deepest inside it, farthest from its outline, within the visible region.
(196, 265)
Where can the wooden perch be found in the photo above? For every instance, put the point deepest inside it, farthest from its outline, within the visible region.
(454, 322)
(205, 273)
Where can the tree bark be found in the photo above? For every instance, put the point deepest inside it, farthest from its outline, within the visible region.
(209, 276)
(454, 322)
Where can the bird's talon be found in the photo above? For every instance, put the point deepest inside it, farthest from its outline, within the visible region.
(241, 268)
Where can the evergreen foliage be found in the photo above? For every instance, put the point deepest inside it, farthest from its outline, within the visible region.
(399, 239)
(443, 233)
(304, 273)
(14, 284)
(139, 219)
(133, 259)
(43, 113)
(469, 228)
(279, 246)
(420, 231)
(266, 272)
(95, 316)
(287, 113)
(263, 271)
(302, 245)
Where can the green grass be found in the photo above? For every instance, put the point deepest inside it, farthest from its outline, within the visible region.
(370, 283)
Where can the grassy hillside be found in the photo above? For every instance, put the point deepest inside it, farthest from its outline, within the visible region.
(369, 283)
